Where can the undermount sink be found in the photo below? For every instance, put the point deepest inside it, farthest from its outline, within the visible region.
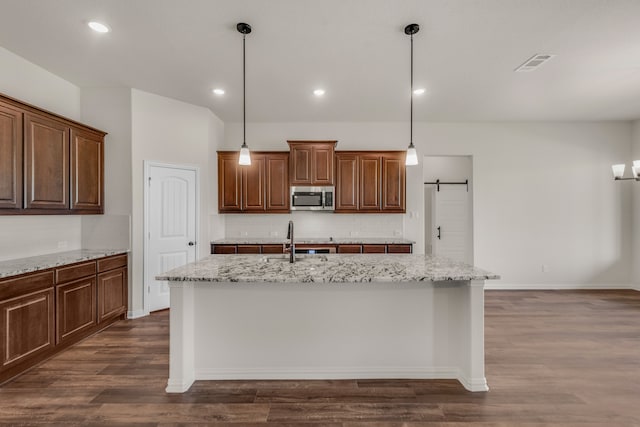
(299, 258)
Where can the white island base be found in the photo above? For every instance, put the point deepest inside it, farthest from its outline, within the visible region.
(419, 330)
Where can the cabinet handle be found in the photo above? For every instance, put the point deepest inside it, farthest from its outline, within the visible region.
(192, 243)
(439, 238)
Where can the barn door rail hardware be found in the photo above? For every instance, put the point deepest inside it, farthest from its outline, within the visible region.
(438, 183)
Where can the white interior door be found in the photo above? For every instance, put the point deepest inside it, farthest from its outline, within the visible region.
(171, 227)
(451, 234)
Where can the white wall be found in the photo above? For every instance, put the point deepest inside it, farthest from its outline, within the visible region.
(110, 109)
(635, 155)
(543, 192)
(22, 236)
(169, 131)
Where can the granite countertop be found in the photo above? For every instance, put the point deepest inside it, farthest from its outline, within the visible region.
(19, 266)
(313, 240)
(329, 268)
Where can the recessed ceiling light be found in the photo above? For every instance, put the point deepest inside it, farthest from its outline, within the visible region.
(218, 91)
(98, 27)
(419, 91)
(318, 92)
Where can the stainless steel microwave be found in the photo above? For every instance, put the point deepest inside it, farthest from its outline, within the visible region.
(312, 198)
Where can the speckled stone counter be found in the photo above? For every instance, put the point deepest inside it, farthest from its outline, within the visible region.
(314, 241)
(327, 316)
(326, 268)
(19, 266)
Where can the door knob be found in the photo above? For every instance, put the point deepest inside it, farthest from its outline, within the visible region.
(192, 243)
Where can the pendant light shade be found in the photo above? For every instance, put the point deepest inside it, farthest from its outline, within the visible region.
(245, 156)
(412, 155)
(618, 171)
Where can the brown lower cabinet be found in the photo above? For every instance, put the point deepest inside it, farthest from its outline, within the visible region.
(350, 248)
(44, 312)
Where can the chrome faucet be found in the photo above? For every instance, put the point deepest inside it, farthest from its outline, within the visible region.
(292, 245)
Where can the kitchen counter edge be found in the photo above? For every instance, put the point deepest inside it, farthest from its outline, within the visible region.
(19, 266)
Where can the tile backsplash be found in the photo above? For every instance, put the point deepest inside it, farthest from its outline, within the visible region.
(315, 224)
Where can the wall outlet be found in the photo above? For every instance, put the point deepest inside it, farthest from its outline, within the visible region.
(273, 234)
(62, 244)
(353, 234)
(243, 234)
(397, 233)
(545, 268)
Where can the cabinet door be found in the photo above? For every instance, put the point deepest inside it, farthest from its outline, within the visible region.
(369, 187)
(277, 182)
(300, 164)
(87, 174)
(47, 163)
(75, 308)
(26, 327)
(229, 178)
(346, 182)
(322, 164)
(10, 158)
(252, 194)
(393, 182)
(112, 293)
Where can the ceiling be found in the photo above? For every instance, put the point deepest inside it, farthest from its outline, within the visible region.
(465, 54)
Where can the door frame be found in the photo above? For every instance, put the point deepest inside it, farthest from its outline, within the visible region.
(148, 164)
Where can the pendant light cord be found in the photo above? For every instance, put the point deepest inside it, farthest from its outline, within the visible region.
(411, 114)
(244, 93)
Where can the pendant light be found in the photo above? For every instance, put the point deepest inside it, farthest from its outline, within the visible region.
(618, 171)
(245, 156)
(412, 155)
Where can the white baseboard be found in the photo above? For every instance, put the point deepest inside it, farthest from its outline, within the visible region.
(179, 386)
(325, 373)
(555, 286)
(471, 384)
(136, 314)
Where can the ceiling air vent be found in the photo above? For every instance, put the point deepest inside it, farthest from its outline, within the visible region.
(534, 62)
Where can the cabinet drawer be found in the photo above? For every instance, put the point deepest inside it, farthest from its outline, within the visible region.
(374, 249)
(66, 274)
(248, 249)
(112, 262)
(349, 249)
(224, 249)
(13, 287)
(272, 249)
(399, 249)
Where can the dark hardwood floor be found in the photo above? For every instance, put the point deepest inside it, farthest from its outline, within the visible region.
(553, 358)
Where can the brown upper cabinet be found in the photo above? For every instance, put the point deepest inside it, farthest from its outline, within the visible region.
(370, 181)
(48, 164)
(10, 157)
(260, 187)
(311, 162)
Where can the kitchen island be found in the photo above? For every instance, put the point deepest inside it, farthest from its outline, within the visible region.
(326, 317)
